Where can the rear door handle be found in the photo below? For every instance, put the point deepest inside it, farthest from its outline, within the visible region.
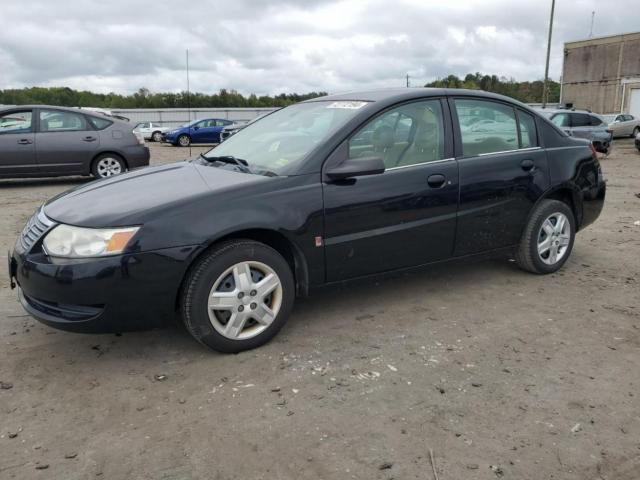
(436, 181)
(24, 141)
(89, 139)
(527, 164)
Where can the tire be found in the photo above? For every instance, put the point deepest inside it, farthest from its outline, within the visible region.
(635, 133)
(220, 273)
(108, 165)
(156, 137)
(184, 140)
(531, 254)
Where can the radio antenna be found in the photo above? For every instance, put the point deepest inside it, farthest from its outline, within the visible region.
(188, 103)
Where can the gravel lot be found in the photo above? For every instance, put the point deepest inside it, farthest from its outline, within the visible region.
(500, 373)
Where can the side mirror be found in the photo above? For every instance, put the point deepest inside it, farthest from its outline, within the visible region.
(355, 167)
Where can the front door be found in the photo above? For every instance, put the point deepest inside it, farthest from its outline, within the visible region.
(405, 216)
(66, 142)
(207, 132)
(17, 144)
(503, 171)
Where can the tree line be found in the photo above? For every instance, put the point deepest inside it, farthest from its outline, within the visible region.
(143, 98)
(527, 92)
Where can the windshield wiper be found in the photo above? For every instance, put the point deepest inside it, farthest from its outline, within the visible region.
(242, 165)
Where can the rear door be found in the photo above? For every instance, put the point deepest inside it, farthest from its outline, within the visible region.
(581, 126)
(503, 171)
(17, 143)
(65, 142)
(404, 216)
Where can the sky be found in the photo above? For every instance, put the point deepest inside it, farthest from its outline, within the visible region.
(288, 46)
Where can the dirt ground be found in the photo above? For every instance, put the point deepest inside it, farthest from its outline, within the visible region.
(498, 372)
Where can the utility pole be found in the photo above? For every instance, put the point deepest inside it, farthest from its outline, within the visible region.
(545, 85)
(593, 16)
(407, 80)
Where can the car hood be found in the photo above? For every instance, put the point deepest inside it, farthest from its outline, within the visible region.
(136, 196)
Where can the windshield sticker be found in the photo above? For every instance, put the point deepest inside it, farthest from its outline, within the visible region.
(347, 105)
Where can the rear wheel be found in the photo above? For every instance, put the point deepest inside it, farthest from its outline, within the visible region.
(238, 296)
(156, 136)
(548, 238)
(635, 133)
(184, 140)
(107, 165)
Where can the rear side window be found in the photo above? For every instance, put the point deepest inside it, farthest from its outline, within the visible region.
(60, 121)
(595, 121)
(16, 122)
(486, 127)
(528, 135)
(580, 120)
(102, 123)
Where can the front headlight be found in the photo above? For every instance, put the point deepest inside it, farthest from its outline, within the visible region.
(77, 242)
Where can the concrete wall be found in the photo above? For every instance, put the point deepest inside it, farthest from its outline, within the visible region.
(599, 72)
(173, 117)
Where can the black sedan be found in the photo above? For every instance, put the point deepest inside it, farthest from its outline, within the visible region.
(324, 191)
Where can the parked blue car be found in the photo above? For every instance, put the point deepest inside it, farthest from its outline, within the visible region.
(198, 131)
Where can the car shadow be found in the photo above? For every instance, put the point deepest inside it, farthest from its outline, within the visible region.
(159, 345)
(40, 182)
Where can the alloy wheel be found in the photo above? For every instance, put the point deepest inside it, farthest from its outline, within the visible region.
(108, 167)
(554, 238)
(157, 137)
(245, 300)
(184, 141)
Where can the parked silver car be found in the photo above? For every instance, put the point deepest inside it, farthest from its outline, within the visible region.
(43, 141)
(623, 125)
(583, 124)
(151, 130)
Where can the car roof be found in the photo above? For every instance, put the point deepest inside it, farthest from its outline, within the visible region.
(402, 94)
(91, 113)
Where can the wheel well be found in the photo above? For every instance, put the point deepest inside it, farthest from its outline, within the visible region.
(273, 239)
(565, 195)
(93, 160)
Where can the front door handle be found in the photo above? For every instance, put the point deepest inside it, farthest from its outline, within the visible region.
(24, 141)
(527, 165)
(89, 139)
(436, 181)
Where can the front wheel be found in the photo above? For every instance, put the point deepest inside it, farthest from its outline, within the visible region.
(184, 140)
(548, 238)
(238, 296)
(635, 133)
(156, 137)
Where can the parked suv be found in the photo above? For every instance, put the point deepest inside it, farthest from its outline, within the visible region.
(583, 124)
(324, 191)
(42, 141)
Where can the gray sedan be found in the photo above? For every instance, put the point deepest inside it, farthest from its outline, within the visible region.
(43, 141)
(623, 125)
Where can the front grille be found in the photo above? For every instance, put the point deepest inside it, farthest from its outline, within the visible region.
(37, 226)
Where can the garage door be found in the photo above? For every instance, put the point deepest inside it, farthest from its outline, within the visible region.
(634, 105)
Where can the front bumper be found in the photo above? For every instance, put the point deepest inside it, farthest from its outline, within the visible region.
(111, 294)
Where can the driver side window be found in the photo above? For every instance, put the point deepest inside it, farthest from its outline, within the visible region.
(407, 135)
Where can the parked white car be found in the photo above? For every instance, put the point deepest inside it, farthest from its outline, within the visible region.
(151, 130)
(623, 125)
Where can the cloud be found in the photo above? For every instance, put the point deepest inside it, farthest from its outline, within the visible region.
(268, 47)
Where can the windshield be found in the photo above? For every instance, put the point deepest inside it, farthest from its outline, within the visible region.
(609, 118)
(281, 141)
